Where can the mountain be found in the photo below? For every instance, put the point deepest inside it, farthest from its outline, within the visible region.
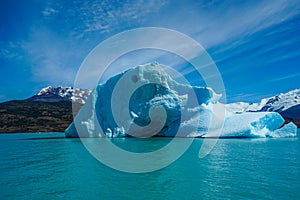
(292, 112)
(279, 103)
(48, 111)
(287, 104)
(56, 94)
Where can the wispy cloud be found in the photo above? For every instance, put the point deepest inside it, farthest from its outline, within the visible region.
(251, 97)
(286, 56)
(10, 51)
(54, 62)
(66, 31)
(49, 11)
(55, 49)
(106, 16)
(290, 76)
(241, 21)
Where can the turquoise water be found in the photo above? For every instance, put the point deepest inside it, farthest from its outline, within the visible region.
(48, 166)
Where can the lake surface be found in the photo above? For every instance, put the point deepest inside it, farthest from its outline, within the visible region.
(49, 166)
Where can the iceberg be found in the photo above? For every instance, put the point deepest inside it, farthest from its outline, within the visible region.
(145, 101)
(257, 125)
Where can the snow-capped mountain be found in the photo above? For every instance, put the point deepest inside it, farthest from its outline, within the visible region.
(279, 103)
(288, 104)
(55, 94)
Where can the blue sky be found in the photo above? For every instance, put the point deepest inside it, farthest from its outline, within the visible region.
(255, 44)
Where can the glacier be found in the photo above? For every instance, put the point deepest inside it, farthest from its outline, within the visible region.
(145, 101)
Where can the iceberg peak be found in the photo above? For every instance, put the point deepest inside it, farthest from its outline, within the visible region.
(145, 101)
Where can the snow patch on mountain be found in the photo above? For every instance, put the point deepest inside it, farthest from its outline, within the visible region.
(278, 103)
(55, 94)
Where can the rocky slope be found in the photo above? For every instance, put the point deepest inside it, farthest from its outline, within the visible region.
(29, 116)
(48, 111)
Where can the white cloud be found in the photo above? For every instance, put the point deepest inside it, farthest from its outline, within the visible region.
(49, 11)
